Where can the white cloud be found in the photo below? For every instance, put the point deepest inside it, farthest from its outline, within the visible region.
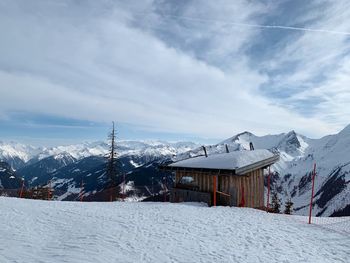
(100, 66)
(318, 82)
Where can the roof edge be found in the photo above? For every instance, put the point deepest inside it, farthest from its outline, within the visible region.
(258, 165)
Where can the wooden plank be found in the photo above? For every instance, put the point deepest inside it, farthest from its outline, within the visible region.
(256, 192)
(201, 178)
(222, 193)
(228, 183)
(237, 183)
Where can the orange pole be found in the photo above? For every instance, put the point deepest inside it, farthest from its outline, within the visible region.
(81, 191)
(123, 186)
(214, 190)
(49, 191)
(21, 193)
(164, 186)
(312, 192)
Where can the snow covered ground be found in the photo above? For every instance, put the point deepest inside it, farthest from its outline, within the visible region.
(43, 231)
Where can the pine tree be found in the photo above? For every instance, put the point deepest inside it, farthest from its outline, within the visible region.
(275, 203)
(288, 206)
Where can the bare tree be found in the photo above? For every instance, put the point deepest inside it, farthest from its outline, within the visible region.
(111, 166)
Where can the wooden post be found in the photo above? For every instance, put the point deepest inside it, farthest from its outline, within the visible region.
(214, 190)
(312, 191)
(268, 191)
(21, 193)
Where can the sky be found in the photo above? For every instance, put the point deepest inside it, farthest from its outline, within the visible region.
(172, 70)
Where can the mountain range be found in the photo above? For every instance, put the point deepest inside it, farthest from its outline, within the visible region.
(67, 167)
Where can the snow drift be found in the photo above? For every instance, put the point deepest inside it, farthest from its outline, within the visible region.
(43, 231)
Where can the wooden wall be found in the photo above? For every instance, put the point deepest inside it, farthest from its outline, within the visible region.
(252, 184)
(203, 180)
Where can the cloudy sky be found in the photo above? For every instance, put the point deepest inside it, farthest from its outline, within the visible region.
(175, 70)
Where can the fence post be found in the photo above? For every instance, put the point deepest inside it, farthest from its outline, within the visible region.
(268, 191)
(312, 191)
(21, 193)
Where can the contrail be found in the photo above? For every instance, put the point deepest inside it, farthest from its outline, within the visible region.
(261, 26)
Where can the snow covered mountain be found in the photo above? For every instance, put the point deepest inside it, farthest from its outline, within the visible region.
(8, 177)
(66, 166)
(37, 172)
(292, 174)
(17, 155)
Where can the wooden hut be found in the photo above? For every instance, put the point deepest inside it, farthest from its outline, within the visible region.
(233, 179)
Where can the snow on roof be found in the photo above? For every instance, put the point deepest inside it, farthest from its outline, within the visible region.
(228, 161)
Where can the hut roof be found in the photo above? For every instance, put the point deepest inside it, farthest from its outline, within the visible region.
(240, 162)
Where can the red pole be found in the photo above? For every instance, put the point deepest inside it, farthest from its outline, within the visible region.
(312, 192)
(164, 186)
(21, 193)
(48, 191)
(214, 190)
(81, 191)
(123, 187)
(268, 191)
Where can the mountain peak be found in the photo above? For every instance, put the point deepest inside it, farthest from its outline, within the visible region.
(346, 130)
(290, 142)
(245, 133)
(292, 132)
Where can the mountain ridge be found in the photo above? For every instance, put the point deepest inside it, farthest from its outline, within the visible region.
(292, 174)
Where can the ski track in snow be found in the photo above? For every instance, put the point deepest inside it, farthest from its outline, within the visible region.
(43, 231)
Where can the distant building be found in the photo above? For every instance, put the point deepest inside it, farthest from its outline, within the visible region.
(232, 179)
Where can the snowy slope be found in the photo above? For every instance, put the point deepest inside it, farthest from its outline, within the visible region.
(9, 179)
(40, 231)
(37, 173)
